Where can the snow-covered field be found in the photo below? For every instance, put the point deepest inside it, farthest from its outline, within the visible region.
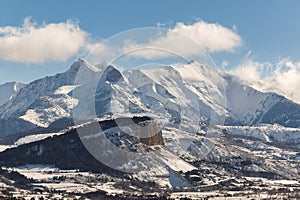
(75, 184)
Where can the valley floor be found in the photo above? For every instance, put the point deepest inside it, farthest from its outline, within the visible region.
(48, 182)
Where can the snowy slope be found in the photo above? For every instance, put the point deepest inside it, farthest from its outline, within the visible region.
(201, 91)
(246, 103)
(266, 133)
(46, 100)
(42, 87)
(178, 92)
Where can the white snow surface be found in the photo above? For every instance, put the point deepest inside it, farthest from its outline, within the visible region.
(65, 89)
(266, 132)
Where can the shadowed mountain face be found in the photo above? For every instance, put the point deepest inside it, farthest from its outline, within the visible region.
(285, 112)
(192, 91)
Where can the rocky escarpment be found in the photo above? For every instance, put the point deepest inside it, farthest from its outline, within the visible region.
(152, 134)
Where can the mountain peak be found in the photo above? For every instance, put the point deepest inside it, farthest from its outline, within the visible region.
(78, 63)
(111, 74)
(82, 63)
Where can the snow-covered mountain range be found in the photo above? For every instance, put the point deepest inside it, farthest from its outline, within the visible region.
(182, 91)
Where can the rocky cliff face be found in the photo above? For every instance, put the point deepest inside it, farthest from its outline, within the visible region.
(152, 134)
(156, 139)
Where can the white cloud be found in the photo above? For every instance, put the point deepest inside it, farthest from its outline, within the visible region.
(172, 45)
(32, 43)
(184, 40)
(286, 79)
(212, 37)
(190, 40)
(282, 77)
(251, 71)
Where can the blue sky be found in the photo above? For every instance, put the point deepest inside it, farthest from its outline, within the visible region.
(268, 29)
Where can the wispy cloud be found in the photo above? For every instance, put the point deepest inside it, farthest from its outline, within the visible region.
(190, 40)
(213, 37)
(282, 77)
(251, 71)
(32, 43)
(183, 39)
